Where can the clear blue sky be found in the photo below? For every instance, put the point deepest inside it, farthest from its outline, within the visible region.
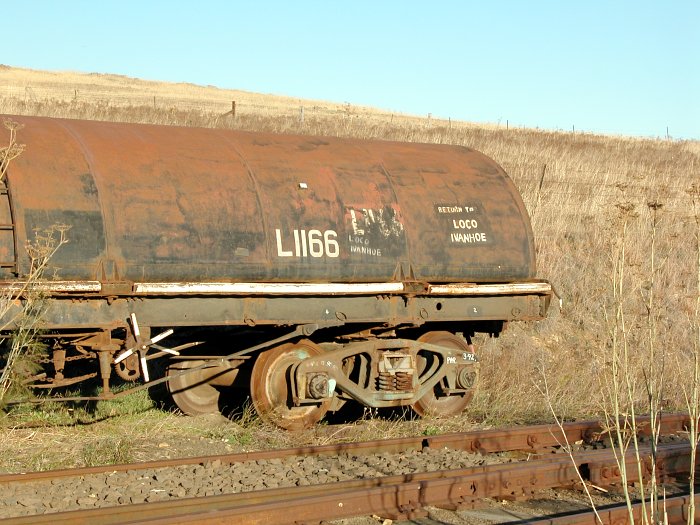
(623, 67)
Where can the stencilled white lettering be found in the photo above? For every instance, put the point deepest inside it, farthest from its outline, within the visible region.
(455, 209)
(365, 250)
(465, 223)
(468, 238)
(311, 243)
(280, 251)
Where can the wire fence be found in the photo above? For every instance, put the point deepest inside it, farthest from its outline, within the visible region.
(194, 98)
(603, 185)
(189, 97)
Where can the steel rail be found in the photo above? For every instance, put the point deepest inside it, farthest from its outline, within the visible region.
(396, 497)
(530, 438)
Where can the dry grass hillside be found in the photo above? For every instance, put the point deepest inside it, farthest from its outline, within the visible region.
(617, 221)
(64, 93)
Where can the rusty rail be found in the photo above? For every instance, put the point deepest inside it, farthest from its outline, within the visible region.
(530, 438)
(397, 497)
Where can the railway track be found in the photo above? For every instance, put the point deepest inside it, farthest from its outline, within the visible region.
(395, 478)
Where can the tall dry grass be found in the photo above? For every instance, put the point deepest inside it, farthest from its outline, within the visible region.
(577, 187)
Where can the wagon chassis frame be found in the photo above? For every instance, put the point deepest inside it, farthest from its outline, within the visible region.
(470, 307)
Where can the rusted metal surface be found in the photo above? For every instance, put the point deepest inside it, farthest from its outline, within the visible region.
(396, 497)
(269, 390)
(199, 392)
(408, 372)
(168, 204)
(189, 227)
(66, 312)
(541, 436)
(527, 438)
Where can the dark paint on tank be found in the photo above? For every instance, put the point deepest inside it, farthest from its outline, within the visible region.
(189, 204)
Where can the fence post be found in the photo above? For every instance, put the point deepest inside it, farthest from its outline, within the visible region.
(233, 109)
(301, 114)
(539, 188)
(539, 191)
(29, 93)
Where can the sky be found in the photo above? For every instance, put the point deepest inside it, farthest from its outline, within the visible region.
(614, 67)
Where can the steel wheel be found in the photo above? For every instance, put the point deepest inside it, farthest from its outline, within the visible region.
(191, 392)
(270, 387)
(434, 402)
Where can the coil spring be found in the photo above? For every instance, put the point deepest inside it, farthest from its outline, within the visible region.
(390, 383)
(404, 381)
(386, 381)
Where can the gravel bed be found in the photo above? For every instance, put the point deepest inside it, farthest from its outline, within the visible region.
(213, 478)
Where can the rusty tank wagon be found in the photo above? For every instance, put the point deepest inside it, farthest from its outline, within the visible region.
(305, 272)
